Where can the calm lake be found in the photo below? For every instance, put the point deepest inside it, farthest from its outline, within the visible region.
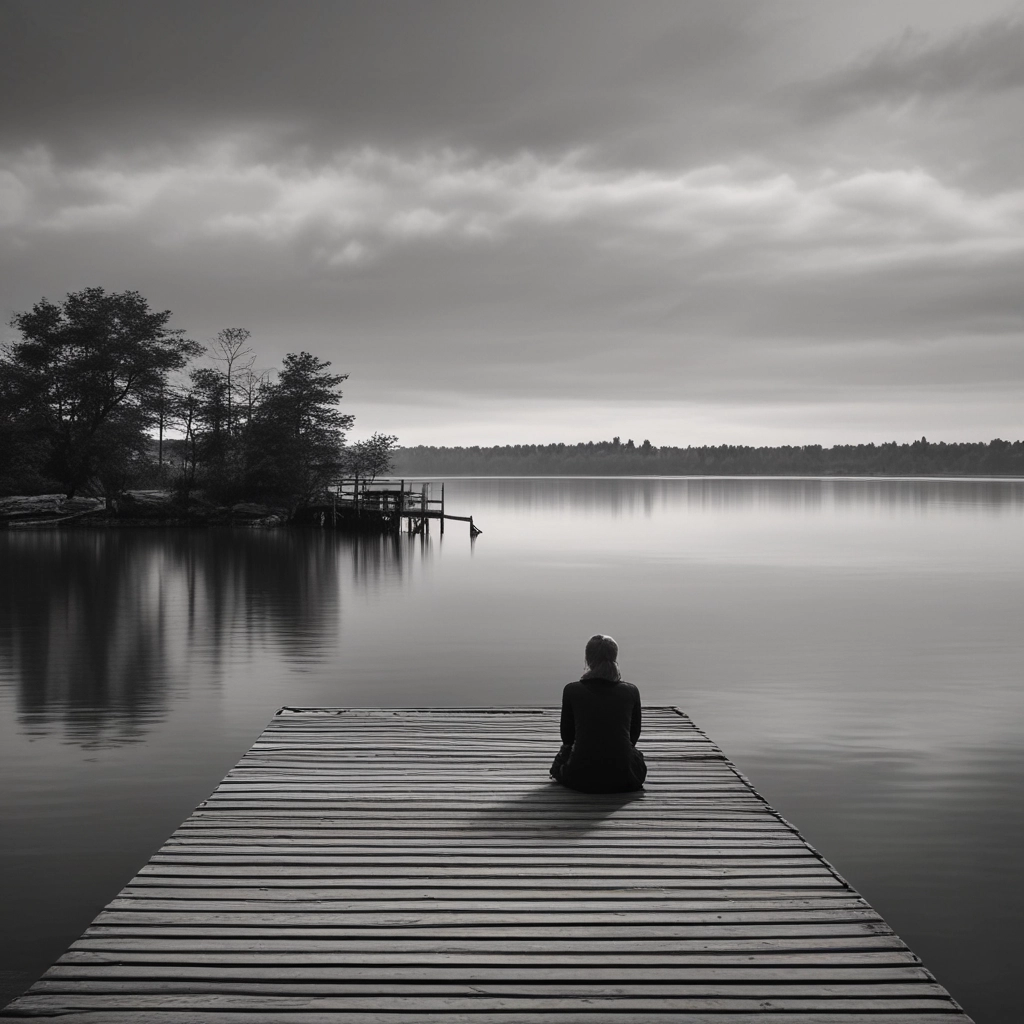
(854, 645)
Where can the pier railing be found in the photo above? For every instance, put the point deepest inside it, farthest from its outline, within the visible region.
(393, 500)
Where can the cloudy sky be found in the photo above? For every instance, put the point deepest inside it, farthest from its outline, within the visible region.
(781, 221)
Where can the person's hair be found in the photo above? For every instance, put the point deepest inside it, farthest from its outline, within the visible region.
(600, 648)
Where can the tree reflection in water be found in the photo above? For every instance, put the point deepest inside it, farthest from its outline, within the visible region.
(99, 628)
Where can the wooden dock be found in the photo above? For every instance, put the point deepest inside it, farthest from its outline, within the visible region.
(399, 865)
(380, 506)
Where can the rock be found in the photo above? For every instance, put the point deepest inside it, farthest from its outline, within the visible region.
(72, 505)
(248, 510)
(136, 507)
(46, 506)
(146, 505)
(248, 513)
(31, 505)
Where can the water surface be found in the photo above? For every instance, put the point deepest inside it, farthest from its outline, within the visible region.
(855, 647)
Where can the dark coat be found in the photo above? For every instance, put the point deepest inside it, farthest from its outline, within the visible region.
(600, 725)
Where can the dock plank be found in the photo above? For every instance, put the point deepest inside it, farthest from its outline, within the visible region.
(398, 865)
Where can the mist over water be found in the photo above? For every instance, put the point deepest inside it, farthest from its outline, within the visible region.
(853, 645)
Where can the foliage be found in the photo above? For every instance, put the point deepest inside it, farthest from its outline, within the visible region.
(231, 349)
(370, 458)
(214, 412)
(245, 436)
(211, 408)
(297, 433)
(23, 450)
(85, 379)
(614, 458)
(93, 379)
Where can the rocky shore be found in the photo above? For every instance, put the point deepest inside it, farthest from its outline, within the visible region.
(134, 508)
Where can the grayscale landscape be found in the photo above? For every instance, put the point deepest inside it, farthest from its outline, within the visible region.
(376, 354)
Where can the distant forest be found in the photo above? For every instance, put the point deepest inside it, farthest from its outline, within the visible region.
(618, 458)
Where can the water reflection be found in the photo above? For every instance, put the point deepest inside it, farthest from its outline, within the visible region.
(83, 631)
(385, 559)
(99, 629)
(853, 644)
(627, 496)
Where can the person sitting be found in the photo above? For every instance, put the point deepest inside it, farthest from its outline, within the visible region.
(600, 725)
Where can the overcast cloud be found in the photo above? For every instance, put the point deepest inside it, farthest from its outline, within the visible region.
(695, 222)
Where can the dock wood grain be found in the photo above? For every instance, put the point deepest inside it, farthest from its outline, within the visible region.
(380, 865)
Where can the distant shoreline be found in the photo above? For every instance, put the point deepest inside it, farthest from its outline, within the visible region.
(921, 458)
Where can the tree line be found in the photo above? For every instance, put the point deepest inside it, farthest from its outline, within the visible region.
(99, 395)
(618, 458)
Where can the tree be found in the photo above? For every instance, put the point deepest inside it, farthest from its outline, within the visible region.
(212, 409)
(88, 374)
(230, 349)
(249, 387)
(184, 407)
(22, 450)
(219, 404)
(297, 433)
(370, 458)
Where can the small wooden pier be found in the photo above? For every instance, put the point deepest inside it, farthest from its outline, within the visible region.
(384, 506)
(399, 865)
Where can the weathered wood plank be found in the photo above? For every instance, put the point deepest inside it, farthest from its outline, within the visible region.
(725, 846)
(664, 922)
(510, 935)
(886, 995)
(408, 895)
(483, 902)
(601, 827)
(474, 1003)
(417, 858)
(402, 864)
(710, 975)
(251, 867)
(422, 949)
(454, 884)
(168, 1015)
(607, 962)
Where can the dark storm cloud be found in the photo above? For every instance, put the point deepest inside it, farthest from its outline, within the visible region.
(506, 220)
(490, 74)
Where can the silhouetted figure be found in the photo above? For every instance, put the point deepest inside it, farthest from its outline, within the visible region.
(600, 726)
